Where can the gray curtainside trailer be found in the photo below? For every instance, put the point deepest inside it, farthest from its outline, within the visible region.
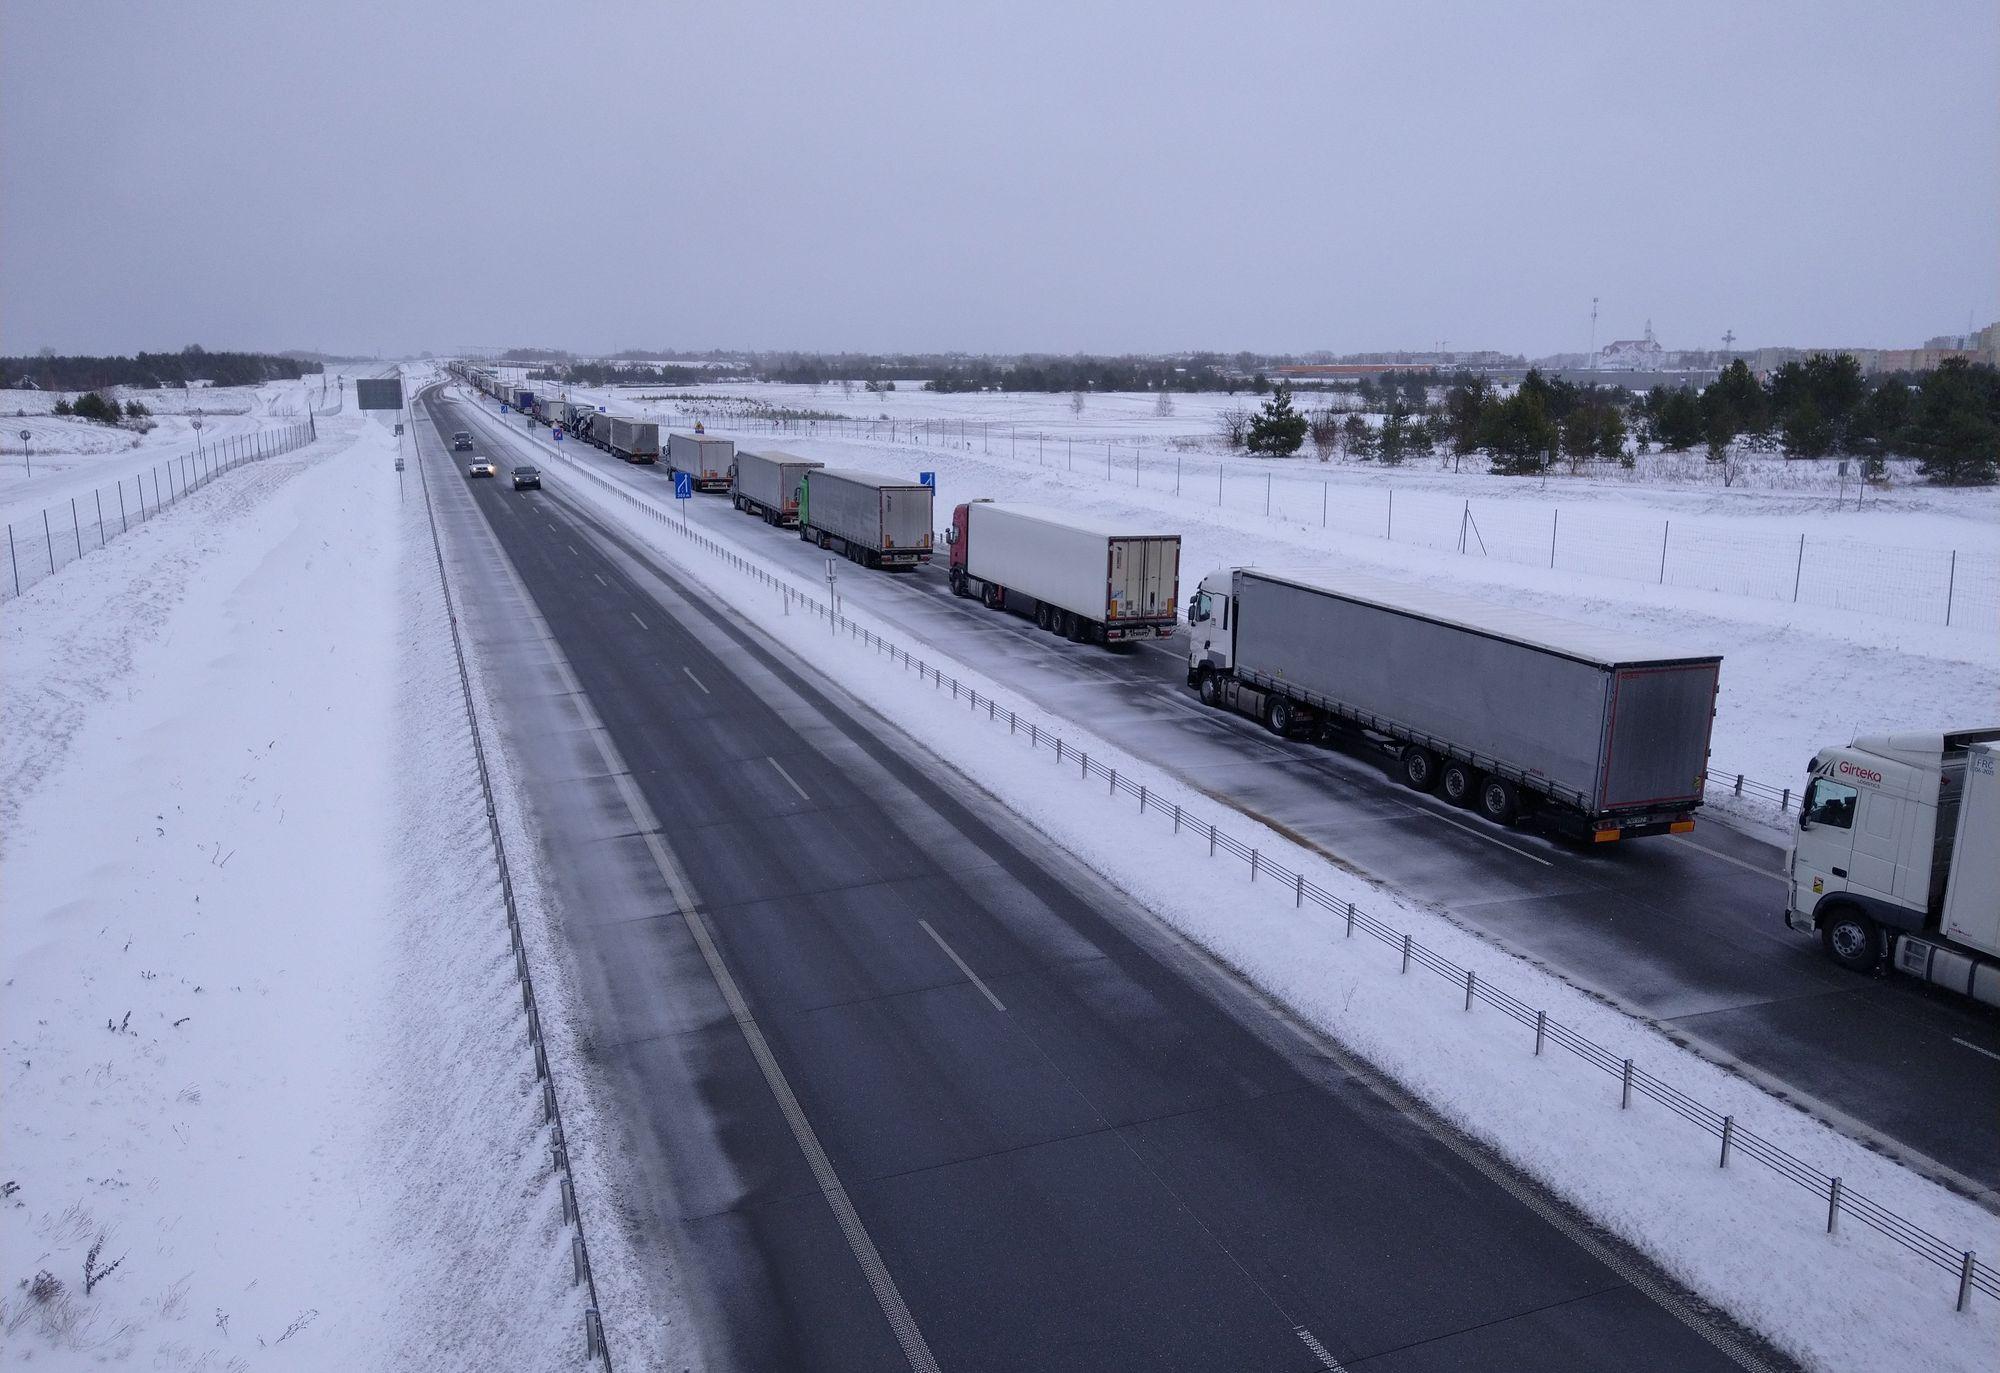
(767, 485)
(633, 440)
(877, 521)
(1595, 733)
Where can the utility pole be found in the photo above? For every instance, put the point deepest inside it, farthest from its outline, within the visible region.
(1593, 334)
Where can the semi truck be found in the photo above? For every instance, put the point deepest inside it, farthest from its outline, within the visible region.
(1087, 579)
(524, 400)
(767, 485)
(1594, 734)
(1896, 859)
(704, 459)
(875, 520)
(630, 439)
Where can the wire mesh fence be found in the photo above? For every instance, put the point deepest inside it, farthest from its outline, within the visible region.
(42, 544)
(1970, 1276)
(1947, 586)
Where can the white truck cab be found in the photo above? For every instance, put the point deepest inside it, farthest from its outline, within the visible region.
(1896, 859)
(1209, 641)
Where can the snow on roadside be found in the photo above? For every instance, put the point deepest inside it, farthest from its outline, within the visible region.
(1743, 1238)
(264, 1048)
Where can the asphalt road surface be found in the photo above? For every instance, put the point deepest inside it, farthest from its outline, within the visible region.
(1686, 932)
(902, 1087)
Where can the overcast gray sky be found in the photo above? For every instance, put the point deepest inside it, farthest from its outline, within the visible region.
(1016, 176)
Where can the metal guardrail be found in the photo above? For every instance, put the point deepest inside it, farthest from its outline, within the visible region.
(1970, 1273)
(595, 1346)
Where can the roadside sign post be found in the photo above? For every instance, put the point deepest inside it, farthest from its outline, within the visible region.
(832, 602)
(28, 449)
(556, 433)
(683, 492)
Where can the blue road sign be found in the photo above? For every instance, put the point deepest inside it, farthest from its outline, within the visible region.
(928, 479)
(503, 407)
(600, 409)
(683, 485)
(556, 432)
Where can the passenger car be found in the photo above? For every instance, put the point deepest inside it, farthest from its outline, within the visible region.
(481, 467)
(461, 442)
(525, 477)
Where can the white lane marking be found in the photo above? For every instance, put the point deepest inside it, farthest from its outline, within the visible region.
(1319, 1351)
(952, 954)
(1747, 867)
(572, 550)
(697, 681)
(1974, 1047)
(782, 773)
(1447, 820)
(635, 615)
(601, 582)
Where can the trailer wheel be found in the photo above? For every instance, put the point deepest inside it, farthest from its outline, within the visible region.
(1851, 939)
(1209, 687)
(1499, 801)
(1044, 617)
(1279, 716)
(1459, 783)
(1420, 767)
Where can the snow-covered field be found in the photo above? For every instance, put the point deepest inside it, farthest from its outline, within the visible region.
(71, 457)
(269, 1101)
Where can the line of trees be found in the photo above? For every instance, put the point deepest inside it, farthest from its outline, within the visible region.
(50, 371)
(619, 374)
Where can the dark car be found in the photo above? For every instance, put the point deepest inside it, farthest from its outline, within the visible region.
(525, 477)
(461, 442)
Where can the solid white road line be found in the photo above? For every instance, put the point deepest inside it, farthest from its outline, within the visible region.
(952, 954)
(1447, 820)
(635, 615)
(1319, 1351)
(697, 681)
(1974, 1047)
(1747, 867)
(786, 775)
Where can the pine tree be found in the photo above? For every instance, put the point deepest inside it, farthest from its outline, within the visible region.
(1277, 430)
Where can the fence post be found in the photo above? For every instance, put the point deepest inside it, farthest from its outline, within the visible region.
(75, 528)
(1083, 768)
(124, 525)
(1177, 819)
(1665, 530)
(1799, 571)
(1253, 865)
(1406, 953)
(1728, 1138)
(1951, 585)
(1267, 495)
(1211, 841)
(1299, 891)
(1625, 1088)
(1350, 920)
(1471, 980)
(49, 539)
(1555, 518)
(1541, 1024)
(97, 494)
(1390, 532)
(1322, 504)
(1832, 1205)
(1965, 1279)
(11, 559)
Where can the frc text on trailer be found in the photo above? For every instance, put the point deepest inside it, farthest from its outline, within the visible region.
(1593, 733)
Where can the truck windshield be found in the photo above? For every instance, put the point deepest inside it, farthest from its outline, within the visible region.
(1202, 607)
(1828, 803)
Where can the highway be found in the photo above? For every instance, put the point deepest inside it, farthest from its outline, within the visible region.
(1685, 932)
(900, 1085)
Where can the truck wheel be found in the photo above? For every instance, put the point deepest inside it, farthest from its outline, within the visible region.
(1279, 716)
(958, 587)
(1420, 767)
(1459, 783)
(992, 597)
(1851, 940)
(1499, 801)
(1209, 688)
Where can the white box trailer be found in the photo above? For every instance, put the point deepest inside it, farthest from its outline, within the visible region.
(1601, 734)
(767, 484)
(632, 440)
(1080, 576)
(875, 520)
(704, 458)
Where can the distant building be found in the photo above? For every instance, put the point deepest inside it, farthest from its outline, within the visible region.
(1335, 371)
(1924, 359)
(1632, 354)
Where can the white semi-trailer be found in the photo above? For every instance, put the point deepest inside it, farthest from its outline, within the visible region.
(767, 485)
(705, 459)
(1594, 733)
(1083, 577)
(1896, 861)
